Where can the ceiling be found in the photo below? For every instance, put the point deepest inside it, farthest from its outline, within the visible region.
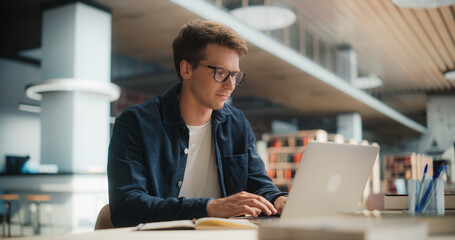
(408, 49)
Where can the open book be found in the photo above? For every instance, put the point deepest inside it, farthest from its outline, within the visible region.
(207, 223)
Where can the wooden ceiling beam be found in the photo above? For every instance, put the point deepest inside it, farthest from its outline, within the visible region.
(430, 29)
(420, 34)
(443, 32)
(387, 47)
(402, 48)
(410, 43)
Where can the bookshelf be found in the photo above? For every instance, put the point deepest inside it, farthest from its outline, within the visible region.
(404, 166)
(283, 154)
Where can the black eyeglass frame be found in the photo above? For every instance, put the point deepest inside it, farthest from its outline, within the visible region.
(231, 74)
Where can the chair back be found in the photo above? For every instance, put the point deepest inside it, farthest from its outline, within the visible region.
(103, 221)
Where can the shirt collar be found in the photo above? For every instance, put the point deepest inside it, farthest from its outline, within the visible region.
(171, 108)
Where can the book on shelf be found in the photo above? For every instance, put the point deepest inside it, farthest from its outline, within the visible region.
(206, 223)
(284, 152)
(400, 201)
(405, 166)
(344, 228)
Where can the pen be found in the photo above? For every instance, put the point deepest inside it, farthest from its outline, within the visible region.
(430, 191)
(421, 186)
(435, 187)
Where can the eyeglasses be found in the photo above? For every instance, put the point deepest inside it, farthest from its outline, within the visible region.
(222, 74)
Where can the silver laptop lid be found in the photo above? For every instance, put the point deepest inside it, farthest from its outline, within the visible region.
(330, 179)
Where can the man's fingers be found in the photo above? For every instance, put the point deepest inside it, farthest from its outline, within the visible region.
(260, 205)
(253, 211)
(268, 207)
(257, 201)
(240, 203)
(279, 203)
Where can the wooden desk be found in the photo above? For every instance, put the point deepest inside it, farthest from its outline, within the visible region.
(128, 233)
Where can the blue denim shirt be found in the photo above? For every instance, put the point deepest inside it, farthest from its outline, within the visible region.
(147, 161)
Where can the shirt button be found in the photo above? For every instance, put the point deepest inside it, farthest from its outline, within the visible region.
(183, 128)
(186, 151)
(179, 184)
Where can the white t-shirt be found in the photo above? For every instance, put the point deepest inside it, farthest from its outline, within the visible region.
(201, 175)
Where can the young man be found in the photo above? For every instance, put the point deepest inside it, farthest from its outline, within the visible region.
(185, 154)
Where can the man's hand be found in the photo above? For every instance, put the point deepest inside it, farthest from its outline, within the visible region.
(239, 204)
(279, 203)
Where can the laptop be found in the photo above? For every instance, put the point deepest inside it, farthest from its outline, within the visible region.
(330, 179)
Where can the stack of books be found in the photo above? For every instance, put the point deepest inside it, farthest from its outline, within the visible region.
(400, 201)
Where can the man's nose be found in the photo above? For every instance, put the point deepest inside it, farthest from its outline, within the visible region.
(229, 83)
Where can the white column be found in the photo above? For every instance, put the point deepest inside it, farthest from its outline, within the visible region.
(347, 63)
(441, 119)
(441, 127)
(75, 88)
(350, 126)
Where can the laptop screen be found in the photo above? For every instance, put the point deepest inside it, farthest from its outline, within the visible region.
(330, 179)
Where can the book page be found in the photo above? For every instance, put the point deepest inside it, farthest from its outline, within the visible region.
(168, 225)
(223, 223)
(207, 223)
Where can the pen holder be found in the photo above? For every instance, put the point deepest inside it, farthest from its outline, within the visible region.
(413, 189)
(427, 199)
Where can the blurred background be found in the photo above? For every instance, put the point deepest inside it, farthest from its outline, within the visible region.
(349, 71)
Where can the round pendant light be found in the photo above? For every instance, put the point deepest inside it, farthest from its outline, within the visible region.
(450, 75)
(423, 3)
(367, 82)
(265, 17)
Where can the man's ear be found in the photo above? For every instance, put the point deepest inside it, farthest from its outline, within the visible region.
(185, 69)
